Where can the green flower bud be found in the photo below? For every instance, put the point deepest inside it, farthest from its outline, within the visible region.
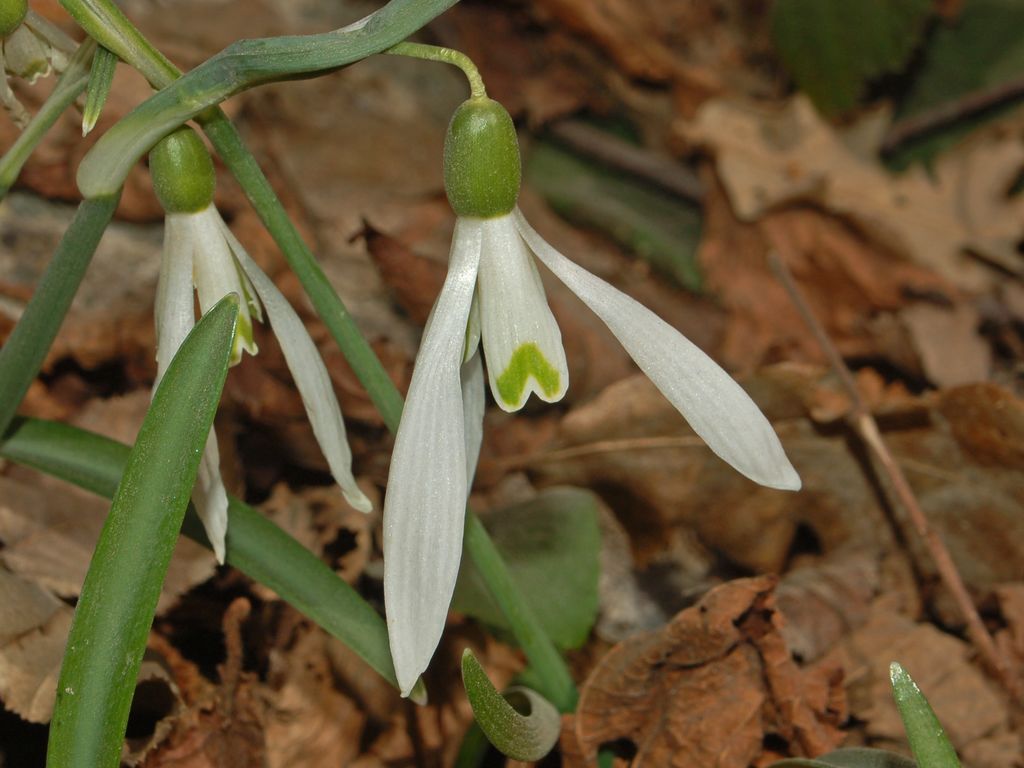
(481, 160)
(12, 13)
(182, 172)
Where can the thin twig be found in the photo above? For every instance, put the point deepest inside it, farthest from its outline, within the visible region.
(951, 112)
(864, 423)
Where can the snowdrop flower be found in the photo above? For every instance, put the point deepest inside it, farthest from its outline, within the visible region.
(30, 47)
(493, 298)
(200, 251)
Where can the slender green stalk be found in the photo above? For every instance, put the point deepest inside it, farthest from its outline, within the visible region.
(70, 84)
(558, 686)
(255, 546)
(23, 354)
(446, 56)
(329, 306)
(120, 593)
(131, 47)
(240, 66)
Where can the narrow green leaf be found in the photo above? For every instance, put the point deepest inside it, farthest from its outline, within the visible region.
(525, 732)
(928, 742)
(551, 545)
(22, 355)
(255, 546)
(101, 77)
(240, 66)
(834, 48)
(121, 589)
(855, 757)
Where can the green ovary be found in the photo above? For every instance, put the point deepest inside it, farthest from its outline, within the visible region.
(527, 361)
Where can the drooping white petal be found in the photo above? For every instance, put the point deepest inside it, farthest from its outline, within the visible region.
(473, 403)
(175, 317)
(310, 374)
(709, 399)
(174, 309)
(216, 274)
(424, 508)
(521, 339)
(210, 497)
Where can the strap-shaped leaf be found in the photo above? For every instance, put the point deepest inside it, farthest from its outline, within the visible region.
(928, 741)
(255, 546)
(119, 596)
(525, 732)
(101, 76)
(25, 349)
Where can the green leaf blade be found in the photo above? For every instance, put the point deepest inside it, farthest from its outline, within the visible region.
(119, 596)
(551, 545)
(527, 737)
(834, 48)
(928, 740)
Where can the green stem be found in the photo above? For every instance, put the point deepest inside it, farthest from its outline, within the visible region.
(240, 66)
(22, 355)
(339, 321)
(447, 56)
(70, 84)
(131, 47)
(544, 657)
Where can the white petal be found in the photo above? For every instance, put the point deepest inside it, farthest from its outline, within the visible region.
(521, 339)
(473, 402)
(175, 317)
(310, 374)
(216, 274)
(715, 406)
(425, 505)
(174, 310)
(210, 498)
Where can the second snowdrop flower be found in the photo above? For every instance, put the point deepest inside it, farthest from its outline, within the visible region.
(493, 298)
(201, 252)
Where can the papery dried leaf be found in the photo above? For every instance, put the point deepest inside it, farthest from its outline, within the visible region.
(707, 689)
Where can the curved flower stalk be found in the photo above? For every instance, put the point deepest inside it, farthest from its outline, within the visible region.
(30, 47)
(200, 252)
(493, 298)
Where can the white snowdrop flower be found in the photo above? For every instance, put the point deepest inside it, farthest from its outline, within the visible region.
(200, 252)
(30, 47)
(493, 298)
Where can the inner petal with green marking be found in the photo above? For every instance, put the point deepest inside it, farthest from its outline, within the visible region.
(527, 362)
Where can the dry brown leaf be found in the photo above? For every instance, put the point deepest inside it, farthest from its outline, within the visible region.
(309, 722)
(966, 703)
(772, 158)
(707, 689)
(824, 601)
(49, 531)
(34, 627)
(952, 352)
(852, 286)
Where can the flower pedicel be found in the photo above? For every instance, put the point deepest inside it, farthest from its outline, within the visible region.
(493, 298)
